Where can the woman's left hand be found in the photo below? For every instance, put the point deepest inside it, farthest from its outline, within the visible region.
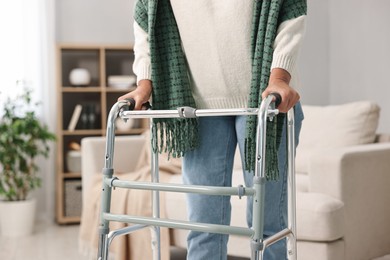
(279, 83)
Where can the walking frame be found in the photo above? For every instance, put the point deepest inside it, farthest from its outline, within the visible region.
(255, 233)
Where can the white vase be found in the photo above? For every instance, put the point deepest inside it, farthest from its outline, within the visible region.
(122, 125)
(79, 77)
(17, 218)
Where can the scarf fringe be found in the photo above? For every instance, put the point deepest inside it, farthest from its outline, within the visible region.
(174, 136)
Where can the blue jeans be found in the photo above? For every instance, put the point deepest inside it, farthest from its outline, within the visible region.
(212, 164)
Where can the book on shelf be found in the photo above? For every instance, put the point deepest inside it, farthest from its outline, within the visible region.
(75, 117)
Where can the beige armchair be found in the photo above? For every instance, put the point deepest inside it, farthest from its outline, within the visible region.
(343, 180)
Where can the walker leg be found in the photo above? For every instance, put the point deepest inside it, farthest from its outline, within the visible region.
(107, 173)
(156, 238)
(257, 243)
(104, 228)
(103, 247)
(291, 238)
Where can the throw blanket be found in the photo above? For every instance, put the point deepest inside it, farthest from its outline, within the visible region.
(129, 202)
(171, 86)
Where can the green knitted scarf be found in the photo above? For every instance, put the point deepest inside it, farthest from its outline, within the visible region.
(171, 84)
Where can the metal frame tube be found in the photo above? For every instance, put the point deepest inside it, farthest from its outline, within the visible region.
(291, 189)
(156, 232)
(261, 137)
(181, 224)
(108, 171)
(104, 228)
(258, 191)
(276, 237)
(174, 187)
(197, 113)
(259, 181)
(123, 231)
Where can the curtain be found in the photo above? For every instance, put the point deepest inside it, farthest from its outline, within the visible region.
(27, 59)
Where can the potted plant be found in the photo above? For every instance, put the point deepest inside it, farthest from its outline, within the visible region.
(23, 138)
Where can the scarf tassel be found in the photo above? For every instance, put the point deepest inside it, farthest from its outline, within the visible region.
(175, 136)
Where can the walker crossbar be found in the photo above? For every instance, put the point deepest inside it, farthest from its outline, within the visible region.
(143, 222)
(124, 231)
(172, 187)
(181, 224)
(277, 237)
(258, 243)
(197, 113)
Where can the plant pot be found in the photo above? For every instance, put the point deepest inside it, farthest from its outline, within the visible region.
(73, 161)
(17, 218)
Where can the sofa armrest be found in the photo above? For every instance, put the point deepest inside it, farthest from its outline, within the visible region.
(331, 171)
(127, 151)
(359, 176)
(382, 138)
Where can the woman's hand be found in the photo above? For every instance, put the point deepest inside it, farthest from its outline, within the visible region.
(279, 83)
(141, 94)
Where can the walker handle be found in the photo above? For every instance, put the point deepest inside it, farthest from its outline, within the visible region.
(131, 104)
(277, 98)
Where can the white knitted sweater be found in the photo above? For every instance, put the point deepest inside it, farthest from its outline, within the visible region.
(216, 38)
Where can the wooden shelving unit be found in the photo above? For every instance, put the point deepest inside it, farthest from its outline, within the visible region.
(97, 97)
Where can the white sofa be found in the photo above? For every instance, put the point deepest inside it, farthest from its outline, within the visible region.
(343, 184)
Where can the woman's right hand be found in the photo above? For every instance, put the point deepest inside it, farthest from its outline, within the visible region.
(141, 94)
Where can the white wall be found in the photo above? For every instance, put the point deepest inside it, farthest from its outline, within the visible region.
(94, 21)
(346, 53)
(360, 53)
(314, 55)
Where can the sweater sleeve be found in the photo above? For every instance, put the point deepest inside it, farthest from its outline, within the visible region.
(287, 43)
(141, 65)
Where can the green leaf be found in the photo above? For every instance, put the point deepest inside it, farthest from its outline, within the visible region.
(23, 137)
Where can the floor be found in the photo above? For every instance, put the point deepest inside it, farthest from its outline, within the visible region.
(51, 241)
(386, 257)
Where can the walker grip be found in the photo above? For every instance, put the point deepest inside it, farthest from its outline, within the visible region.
(131, 104)
(277, 98)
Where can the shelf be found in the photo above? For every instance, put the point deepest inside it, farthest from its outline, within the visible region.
(131, 132)
(69, 175)
(83, 132)
(81, 89)
(89, 107)
(69, 220)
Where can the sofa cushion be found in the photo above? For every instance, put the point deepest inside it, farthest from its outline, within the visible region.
(309, 250)
(351, 124)
(319, 217)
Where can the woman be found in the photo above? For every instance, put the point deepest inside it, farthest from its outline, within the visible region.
(220, 54)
